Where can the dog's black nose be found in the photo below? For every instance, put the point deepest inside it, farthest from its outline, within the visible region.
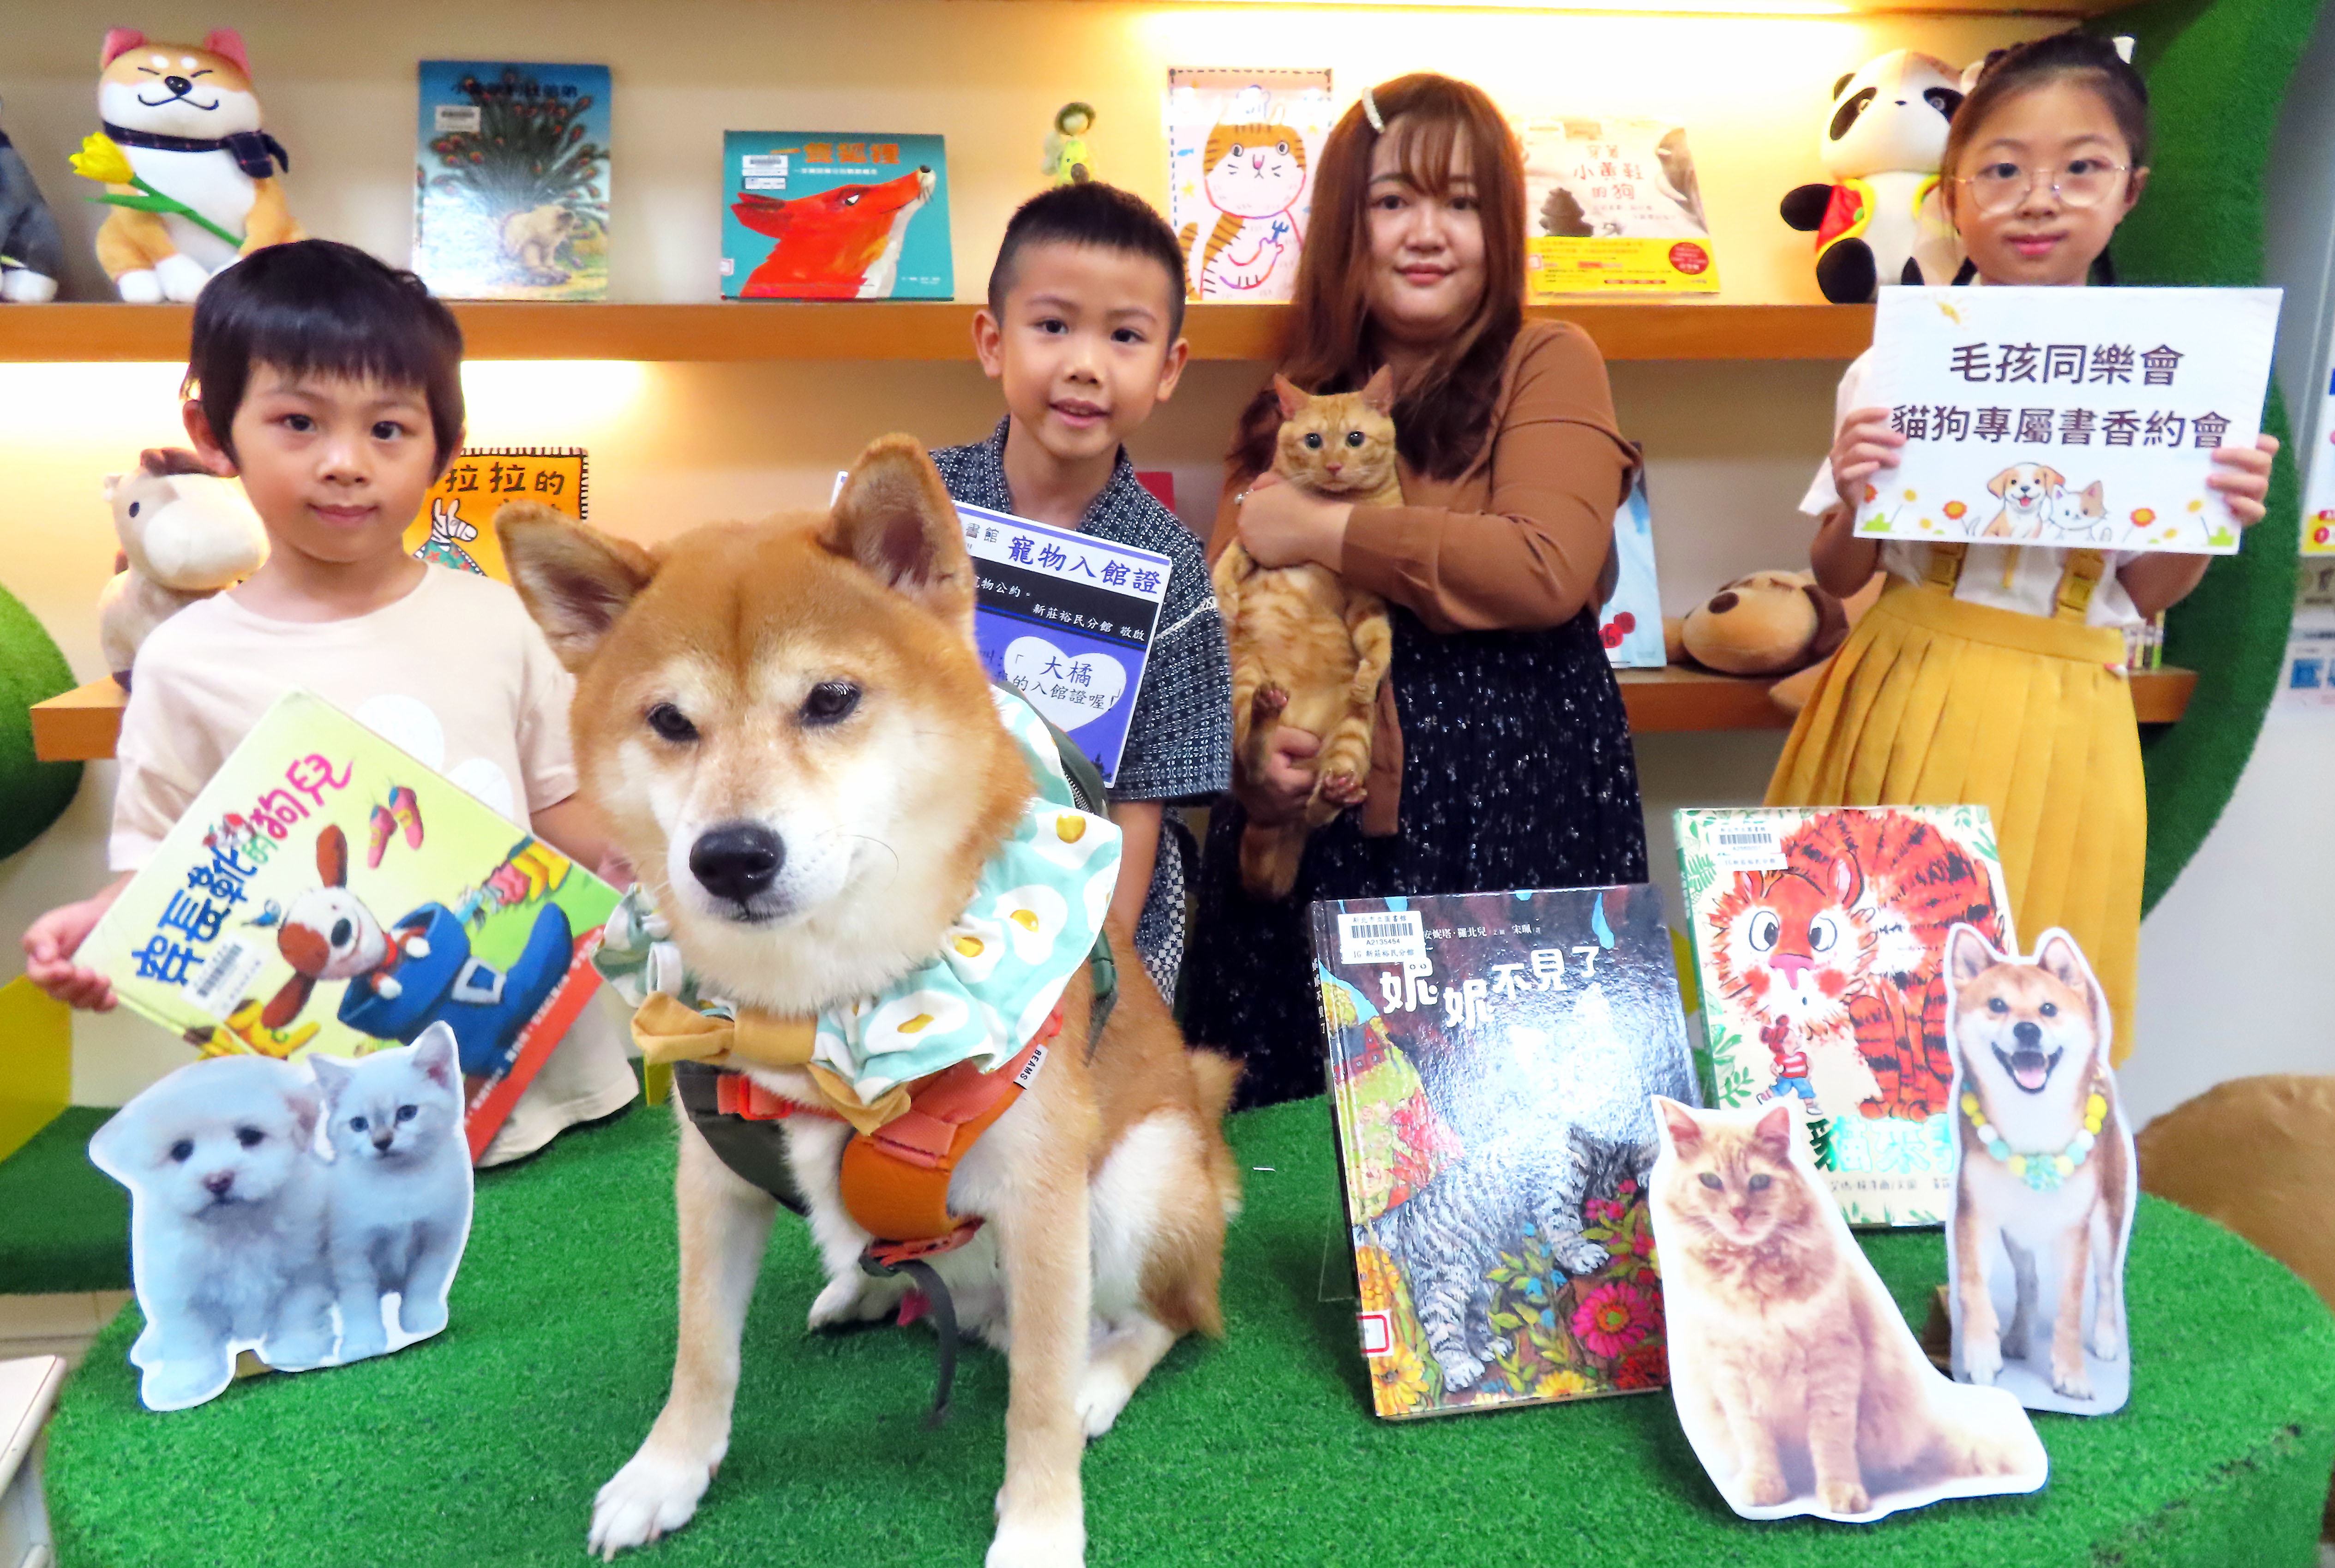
(738, 860)
(218, 1182)
(178, 85)
(2029, 1036)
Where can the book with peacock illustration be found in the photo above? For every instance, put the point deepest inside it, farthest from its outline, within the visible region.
(1490, 1056)
(455, 527)
(1819, 942)
(510, 180)
(326, 892)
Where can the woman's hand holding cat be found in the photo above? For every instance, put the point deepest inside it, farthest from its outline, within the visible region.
(1280, 794)
(1283, 525)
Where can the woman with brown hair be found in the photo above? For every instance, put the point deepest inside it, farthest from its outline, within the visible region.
(1502, 754)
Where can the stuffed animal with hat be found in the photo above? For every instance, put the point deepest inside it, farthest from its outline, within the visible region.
(1881, 218)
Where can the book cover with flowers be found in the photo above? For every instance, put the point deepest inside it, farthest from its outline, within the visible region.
(1490, 1060)
(327, 890)
(510, 180)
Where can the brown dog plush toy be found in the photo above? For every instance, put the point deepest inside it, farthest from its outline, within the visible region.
(1768, 623)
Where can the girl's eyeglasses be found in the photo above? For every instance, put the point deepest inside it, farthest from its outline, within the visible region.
(2001, 187)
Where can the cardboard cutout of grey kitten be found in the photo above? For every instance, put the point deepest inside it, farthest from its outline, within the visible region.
(249, 1231)
(2043, 1199)
(1797, 1381)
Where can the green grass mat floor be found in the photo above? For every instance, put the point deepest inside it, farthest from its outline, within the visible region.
(65, 1225)
(484, 1446)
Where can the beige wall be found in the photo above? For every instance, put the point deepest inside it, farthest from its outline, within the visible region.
(1731, 445)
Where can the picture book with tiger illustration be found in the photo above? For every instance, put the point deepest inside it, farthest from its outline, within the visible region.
(1819, 940)
(1491, 1056)
(1242, 146)
(329, 893)
(835, 215)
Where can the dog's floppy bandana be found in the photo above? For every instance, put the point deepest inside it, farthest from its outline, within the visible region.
(1036, 910)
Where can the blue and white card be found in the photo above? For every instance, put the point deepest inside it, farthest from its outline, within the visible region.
(1630, 624)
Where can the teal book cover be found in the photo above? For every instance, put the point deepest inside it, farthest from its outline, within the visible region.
(835, 215)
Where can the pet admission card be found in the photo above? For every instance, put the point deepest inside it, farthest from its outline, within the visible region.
(1490, 1057)
(1630, 622)
(1066, 620)
(1242, 147)
(835, 215)
(327, 892)
(2068, 417)
(455, 527)
(1612, 207)
(510, 187)
(1819, 940)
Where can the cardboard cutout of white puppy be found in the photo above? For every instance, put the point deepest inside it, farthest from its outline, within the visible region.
(2043, 1200)
(1798, 1381)
(243, 1236)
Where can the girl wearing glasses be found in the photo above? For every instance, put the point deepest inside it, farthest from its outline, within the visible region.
(1992, 673)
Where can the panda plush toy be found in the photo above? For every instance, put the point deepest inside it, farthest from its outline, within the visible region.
(1882, 220)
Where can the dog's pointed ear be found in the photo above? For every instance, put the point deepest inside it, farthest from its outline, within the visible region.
(1773, 1131)
(228, 44)
(894, 517)
(285, 1005)
(2061, 958)
(1378, 392)
(1969, 955)
(333, 857)
(575, 580)
(434, 1054)
(118, 41)
(1291, 398)
(1679, 1126)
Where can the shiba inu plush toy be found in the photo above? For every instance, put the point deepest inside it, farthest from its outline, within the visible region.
(188, 120)
(788, 731)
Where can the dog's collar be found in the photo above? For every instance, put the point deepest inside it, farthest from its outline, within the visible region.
(2044, 1171)
(255, 151)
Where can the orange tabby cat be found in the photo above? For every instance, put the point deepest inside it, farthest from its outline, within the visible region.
(1308, 650)
(1793, 1373)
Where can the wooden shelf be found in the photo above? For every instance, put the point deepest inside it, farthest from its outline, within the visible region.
(905, 330)
(81, 725)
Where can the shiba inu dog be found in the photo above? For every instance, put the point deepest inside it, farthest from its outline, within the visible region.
(787, 729)
(840, 243)
(2029, 492)
(2047, 1164)
(186, 119)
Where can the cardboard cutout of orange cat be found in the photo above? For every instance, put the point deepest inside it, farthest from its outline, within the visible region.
(1797, 1382)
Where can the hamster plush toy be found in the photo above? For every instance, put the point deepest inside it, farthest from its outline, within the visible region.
(185, 533)
(1882, 220)
(32, 249)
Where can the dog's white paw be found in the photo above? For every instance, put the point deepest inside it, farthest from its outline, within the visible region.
(1981, 1359)
(856, 1299)
(2106, 1338)
(654, 1494)
(139, 287)
(182, 277)
(1103, 1393)
(1026, 1542)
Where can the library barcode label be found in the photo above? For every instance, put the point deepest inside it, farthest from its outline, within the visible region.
(1746, 846)
(1393, 937)
(218, 984)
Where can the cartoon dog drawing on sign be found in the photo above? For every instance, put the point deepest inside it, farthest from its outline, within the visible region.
(2029, 492)
(843, 242)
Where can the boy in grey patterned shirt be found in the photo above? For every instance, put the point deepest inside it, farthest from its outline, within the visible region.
(1084, 329)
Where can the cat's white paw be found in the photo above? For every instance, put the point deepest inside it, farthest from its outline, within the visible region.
(1026, 1540)
(1841, 1497)
(1103, 1393)
(1582, 1258)
(654, 1494)
(139, 287)
(856, 1299)
(1982, 1358)
(2107, 1339)
(182, 277)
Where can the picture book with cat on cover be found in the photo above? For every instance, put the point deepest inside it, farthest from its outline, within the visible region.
(1491, 1056)
(1242, 147)
(510, 180)
(835, 215)
(328, 893)
(1819, 939)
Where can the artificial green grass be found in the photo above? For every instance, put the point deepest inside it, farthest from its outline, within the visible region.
(485, 1445)
(33, 669)
(65, 1225)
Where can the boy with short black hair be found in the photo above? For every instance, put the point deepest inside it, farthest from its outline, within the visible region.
(1084, 330)
(331, 385)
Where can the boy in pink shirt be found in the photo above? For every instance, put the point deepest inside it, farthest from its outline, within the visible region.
(331, 385)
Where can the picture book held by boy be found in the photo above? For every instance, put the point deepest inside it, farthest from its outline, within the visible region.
(835, 215)
(1819, 940)
(1491, 1056)
(1631, 622)
(1242, 146)
(326, 892)
(511, 188)
(455, 527)
(1612, 206)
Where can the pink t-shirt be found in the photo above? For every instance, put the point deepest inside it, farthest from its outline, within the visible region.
(454, 672)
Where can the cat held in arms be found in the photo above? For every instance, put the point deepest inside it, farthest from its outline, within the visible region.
(1308, 650)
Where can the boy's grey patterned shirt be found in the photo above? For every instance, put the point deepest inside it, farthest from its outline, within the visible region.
(1180, 741)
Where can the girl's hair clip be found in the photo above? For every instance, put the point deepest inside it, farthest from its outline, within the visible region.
(2123, 41)
(1370, 112)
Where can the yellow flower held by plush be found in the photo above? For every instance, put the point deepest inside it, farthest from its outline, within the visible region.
(99, 159)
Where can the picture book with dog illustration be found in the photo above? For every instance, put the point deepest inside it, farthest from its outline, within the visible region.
(1629, 623)
(2069, 418)
(1819, 940)
(1242, 147)
(1491, 1056)
(455, 527)
(510, 180)
(835, 215)
(1612, 206)
(326, 893)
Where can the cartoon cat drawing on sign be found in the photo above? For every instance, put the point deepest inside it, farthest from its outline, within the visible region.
(1242, 181)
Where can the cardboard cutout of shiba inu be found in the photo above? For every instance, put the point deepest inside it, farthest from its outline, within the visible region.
(2043, 1201)
(788, 730)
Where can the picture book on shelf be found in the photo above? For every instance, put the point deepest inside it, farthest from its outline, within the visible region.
(835, 215)
(455, 527)
(1612, 206)
(1631, 622)
(1819, 942)
(510, 180)
(328, 893)
(1242, 147)
(1491, 1056)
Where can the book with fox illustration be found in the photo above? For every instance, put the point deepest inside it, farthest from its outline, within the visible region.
(456, 525)
(328, 893)
(1819, 942)
(510, 180)
(835, 215)
(1490, 1060)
